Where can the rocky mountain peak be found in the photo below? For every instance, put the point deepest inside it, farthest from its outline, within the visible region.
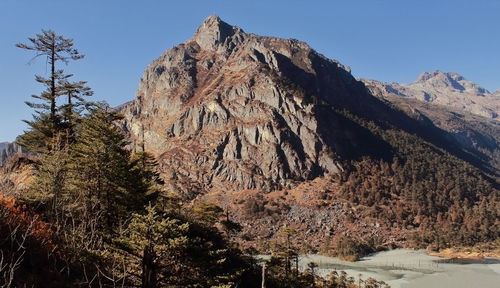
(450, 81)
(232, 110)
(439, 75)
(233, 116)
(213, 32)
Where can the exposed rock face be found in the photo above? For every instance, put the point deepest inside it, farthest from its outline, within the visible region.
(8, 149)
(233, 110)
(496, 93)
(229, 110)
(447, 89)
(16, 169)
(212, 34)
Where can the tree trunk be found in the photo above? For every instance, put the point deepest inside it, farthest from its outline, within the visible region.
(263, 275)
(53, 83)
(148, 268)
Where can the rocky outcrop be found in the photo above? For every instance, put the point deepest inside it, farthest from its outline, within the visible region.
(446, 89)
(233, 110)
(8, 149)
(16, 173)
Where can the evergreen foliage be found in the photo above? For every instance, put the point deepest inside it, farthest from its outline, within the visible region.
(99, 167)
(159, 241)
(48, 119)
(49, 186)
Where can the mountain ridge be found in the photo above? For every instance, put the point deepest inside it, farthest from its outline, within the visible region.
(443, 88)
(464, 111)
(280, 136)
(238, 145)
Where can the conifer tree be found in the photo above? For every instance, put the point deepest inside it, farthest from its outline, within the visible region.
(160, 241)
(207, 213)
(75, 103)
(100, 166)
(48, 187)
(144, 179)
(46, 122)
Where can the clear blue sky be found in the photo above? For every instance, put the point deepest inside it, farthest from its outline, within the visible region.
(387, 40)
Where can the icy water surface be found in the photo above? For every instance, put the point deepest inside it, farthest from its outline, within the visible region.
(411, 269)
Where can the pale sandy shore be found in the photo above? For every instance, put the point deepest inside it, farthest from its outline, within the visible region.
(411, 269)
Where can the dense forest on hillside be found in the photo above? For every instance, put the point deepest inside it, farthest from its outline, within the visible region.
(447, 200)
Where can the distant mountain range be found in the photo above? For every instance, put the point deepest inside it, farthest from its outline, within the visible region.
(466, 112)
(450, 90)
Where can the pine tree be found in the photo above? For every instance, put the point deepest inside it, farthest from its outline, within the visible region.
(145, 183)
(75, 103)
(207, 213)
(99, 166)
(159, 241)
(48, 187)
(46, 122)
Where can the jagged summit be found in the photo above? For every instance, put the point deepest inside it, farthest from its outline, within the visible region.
(213, 32)
(234, 109)
(425, 76)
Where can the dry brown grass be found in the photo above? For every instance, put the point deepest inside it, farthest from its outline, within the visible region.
(480, 251)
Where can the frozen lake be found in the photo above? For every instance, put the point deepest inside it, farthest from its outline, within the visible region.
(413, 268)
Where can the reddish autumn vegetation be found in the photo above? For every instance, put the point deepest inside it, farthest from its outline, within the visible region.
(27, 249)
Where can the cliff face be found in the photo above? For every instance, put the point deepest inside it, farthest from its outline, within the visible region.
(233, 110)
(8, 149)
